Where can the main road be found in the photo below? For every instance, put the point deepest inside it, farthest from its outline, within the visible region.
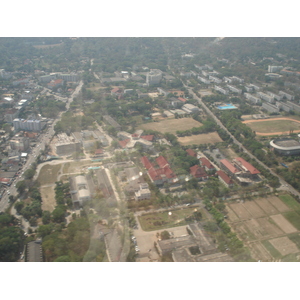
(210, 113)
(44, 139)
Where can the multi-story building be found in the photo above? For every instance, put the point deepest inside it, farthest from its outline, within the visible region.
(234, 89)
(275, 96)
(286, 96)
(265, 97)
(221, 90)
(295, 107)
(154, 77)
(204, 80)
(272, 69)
(252, 98)
(214, 79)
(28, 125)
(270, 107)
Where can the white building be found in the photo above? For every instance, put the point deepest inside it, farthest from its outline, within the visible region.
(272, 69)
(286, 95)
(190, 108)
(234, 89)
(270, 107)
(154, 76)
(221, 90)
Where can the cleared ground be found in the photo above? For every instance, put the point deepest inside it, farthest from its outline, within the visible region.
(171, 125)
(274, 126)
(199, 139)
(48, 174)
(48, 196)
(284, 245)
(284, 224)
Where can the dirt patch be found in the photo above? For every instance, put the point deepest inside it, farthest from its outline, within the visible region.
(267, 206)
(259, 252)
(283, 223)
(231, 215)
(172, 125)
(199, 139)
(284, 245)
(280, 206)
(48, 198)
(240, 211)
(254, 209)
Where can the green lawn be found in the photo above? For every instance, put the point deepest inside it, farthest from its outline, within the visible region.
(274, 126)
(295, 237)
(290, 202)
(293, 217)
(161, 220)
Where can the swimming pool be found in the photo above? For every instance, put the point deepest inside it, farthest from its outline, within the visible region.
(227, 106)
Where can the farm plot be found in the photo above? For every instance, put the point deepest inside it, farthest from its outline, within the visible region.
(171, 125)
(280, 206)
(284, 245)
(200, 139)
(231, 215)
(254, 209)
(284, 224)
(267, 206)
(240, 210)
(259, 252)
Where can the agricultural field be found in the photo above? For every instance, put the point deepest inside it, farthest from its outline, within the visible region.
(162, 220)
(200, 139)
(269, 227)
(274, 126)
(171, 125)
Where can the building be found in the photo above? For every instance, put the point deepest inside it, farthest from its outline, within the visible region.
(28, 125)
(247, 169)
(285, 146)
(224, 178)
(20, 144)
(56, 83)
(191, 152)
(265, 97)
(206, 164)
(229, 168)
(252, 98)
(221, 90)
(214, 79)
(79, 190)
(234, 89)
(11, 114)
(143, 192)
(66, 145)
(272, 69)
(198, 173)
(204, 80)
(190, 108)
(153, 77)
(112, 122)
(286, 96)
(270, 107)
(295, 106)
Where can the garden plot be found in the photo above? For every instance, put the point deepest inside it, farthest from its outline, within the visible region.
(280, 206)
(240, 211)
(267, 206)
(254, 209)
(284, 245)
(283, 223)
(259, 252)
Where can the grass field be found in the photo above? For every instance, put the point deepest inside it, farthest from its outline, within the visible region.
(171, 125)
(273, 251)
(200, 139)
(290, 202)
(295, 237)
(274, 126)
(293, 217)
(48, 174)
(158, 221)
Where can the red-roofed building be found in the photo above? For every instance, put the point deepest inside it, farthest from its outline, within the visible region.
(223, 177)
(198, 172)
(55, 83)
(145, 161)
(116, 92)
(124, 143)
(98, 152)
(191, 152)
(162, 162)
(229, 167)
(149, 137)
(244, 165)
(181, 99)
(206, 164)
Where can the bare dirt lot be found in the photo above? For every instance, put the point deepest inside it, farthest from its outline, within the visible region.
(279, 205)
(283, 223)
(284, 245)
(240, 211)
(48, 196)
(199, 139)
(267, 206)
(254, 209)
(172, 125)
(260, 252)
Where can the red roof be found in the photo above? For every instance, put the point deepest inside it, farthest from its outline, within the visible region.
(168, 172)
(148, 137)
(115, 90)
(205, 162)
(224, 176)
(154, 174)
(191, 152)
(229, 166)
(162, 162)
(98, 151)
(4, 179)
(181, 99)
(124, 143)
(145, 161)
(198, 172)
(248, 166)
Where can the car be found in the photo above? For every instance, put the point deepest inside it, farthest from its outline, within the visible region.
(137, 249)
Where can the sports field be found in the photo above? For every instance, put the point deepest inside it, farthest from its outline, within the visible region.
(274, 126)
(200, 139)
(171, 125)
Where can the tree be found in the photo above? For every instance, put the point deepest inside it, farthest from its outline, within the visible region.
(46, 217)
(21, 187)
(58, 214)
(165, 235)
(28, 174)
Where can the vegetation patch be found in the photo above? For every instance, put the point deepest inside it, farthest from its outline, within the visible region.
(48, 174)
(200, 139)
(166, 219)
(293, 217)
(272, 250)
(290, 202)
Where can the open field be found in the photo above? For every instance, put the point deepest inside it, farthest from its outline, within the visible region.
(48, 174)
(48, 196)
(273, 126)
(162, 220)
(268, 226)
(171, 125)
(284, 245)
(199, 139)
